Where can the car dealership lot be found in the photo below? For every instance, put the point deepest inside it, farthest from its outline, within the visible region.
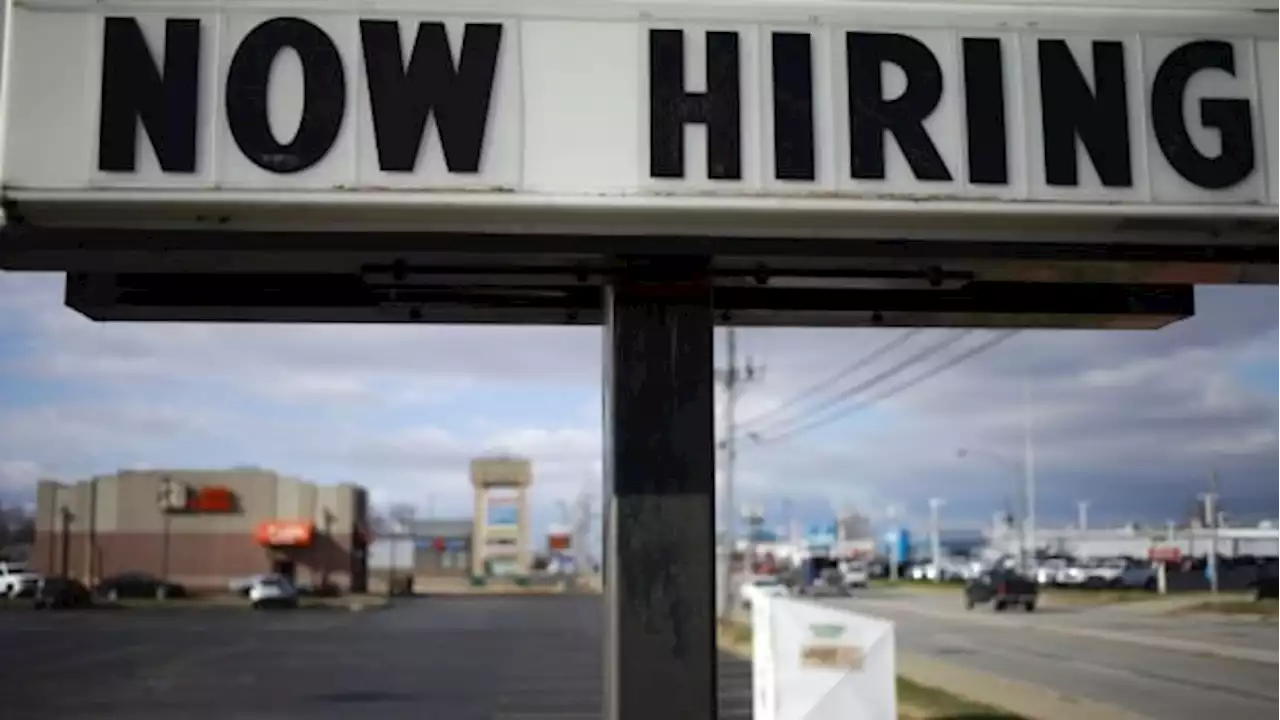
(482, 657)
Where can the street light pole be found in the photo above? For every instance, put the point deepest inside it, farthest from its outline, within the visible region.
(1029, 469)
(935, 540)
(1211, 514)
(166, 503)
(66, 542)
(894, 555)
(1082, 514)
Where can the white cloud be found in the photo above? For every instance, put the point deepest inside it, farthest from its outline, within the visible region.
(402, 409)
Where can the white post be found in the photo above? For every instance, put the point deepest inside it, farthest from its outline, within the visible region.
(1211, 514)
(1082, 515)
(935, 540)
(1029, 470)
(894, 560)
(1162, 577)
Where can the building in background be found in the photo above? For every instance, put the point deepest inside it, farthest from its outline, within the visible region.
(500, 545)
(201, 528)
(561, 553)
(427, 550)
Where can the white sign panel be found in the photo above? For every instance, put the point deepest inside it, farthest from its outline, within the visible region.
(813, 662)
(1136, 108)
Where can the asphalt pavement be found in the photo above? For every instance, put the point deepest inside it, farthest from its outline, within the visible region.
(1120, 659)
(490, 658)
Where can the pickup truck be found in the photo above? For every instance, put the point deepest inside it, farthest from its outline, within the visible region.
(1002, 588)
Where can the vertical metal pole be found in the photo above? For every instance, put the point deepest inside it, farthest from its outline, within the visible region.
(659, 463)
(1082, 515)
(164, 557)
(66, 542)
(894, 559)
(1029, 469)
(1211, 515)
(935, 540)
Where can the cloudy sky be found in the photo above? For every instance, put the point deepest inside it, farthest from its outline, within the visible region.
(1132, 421)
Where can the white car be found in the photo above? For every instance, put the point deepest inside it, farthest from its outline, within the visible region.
(273, 591)
(855, 574)
(242, 585)
(1048, 572)
(761, 587)
(16, 580)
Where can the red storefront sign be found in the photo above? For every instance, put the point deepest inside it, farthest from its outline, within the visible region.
(285, 533)
(212, 499)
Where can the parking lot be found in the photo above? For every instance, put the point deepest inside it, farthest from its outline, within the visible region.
(454, 659)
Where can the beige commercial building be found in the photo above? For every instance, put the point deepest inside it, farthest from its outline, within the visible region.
(500, 540)
(200, 528)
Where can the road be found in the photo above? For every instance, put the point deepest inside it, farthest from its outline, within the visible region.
(1108, 656)
(487, 658)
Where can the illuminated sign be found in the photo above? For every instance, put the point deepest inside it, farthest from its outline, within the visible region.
(285, 533)
(179, 497)
(212, 499)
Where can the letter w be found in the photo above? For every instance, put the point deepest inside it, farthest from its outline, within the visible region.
(403, 96)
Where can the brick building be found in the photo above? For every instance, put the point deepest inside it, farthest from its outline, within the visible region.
(200, 528)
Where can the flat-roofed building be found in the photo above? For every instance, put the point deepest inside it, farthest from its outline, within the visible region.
(201, 528)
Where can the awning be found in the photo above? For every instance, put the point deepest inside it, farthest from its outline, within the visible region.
(285, 533)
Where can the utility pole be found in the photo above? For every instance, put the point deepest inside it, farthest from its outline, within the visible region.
(733, 378)
(1029, 470)
(1082, 515)
(935, 539)
(1210, 500)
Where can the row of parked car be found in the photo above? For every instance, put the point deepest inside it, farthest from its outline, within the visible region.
(1054, 571)
(17, 583)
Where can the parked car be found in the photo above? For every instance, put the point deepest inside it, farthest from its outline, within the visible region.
(16, 580)
(241, 585)
(1265, 583)
(1137, 574)
(1048, 571)
(1003, 589)
(62, 593)
(273, 591)
(856, 574)
(138, 585)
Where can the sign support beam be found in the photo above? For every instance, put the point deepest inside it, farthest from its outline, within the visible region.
(659, 462)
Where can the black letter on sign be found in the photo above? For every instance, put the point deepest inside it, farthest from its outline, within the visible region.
(134, 89)
(984, 111)
(670, 107)
(1230, 117)
(402, 98)
(870, 114)
(792, 107)
(324, 95)
(1070, 109)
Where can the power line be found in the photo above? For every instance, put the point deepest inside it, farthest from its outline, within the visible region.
(839, 376)
(919, 356)
(885, 395)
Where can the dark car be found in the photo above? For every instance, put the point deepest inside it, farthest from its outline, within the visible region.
(1265, 583)
(138, 585)
(60, 593)
(1001, 588)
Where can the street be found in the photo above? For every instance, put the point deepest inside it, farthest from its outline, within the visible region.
(1113, 656)
(536, 658)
